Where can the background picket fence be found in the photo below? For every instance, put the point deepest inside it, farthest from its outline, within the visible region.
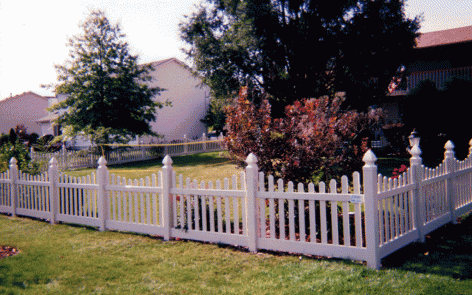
(350, 220)
(127, 154)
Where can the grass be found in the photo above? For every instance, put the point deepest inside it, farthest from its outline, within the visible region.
(67, 259)
(207, 166)
(204, 166)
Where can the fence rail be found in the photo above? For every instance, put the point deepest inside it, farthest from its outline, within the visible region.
(127, 154)
(357, 220)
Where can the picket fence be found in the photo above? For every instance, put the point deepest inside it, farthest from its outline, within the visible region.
(86, 159)
(354, 221)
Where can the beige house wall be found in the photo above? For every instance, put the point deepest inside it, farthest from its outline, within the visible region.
(24, 109)
(189, 100)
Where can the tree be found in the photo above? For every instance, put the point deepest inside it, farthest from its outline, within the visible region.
(215, 119)
(108, 99)
(436, 123)
(294, 49)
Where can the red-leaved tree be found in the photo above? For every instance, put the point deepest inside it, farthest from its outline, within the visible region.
(315, 140)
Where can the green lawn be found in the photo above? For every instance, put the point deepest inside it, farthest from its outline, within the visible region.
(208, 166)
(204, 166)
(67, 259)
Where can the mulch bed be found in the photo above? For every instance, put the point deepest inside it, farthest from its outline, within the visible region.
(6, 251)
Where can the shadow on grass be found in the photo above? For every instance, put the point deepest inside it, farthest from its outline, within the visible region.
(202, 158)
(211, 158)
(447, 251)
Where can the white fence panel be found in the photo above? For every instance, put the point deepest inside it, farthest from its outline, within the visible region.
(312, 222)
(33, 195)
(209, 213)
(5, 192)
(78, 199)
(134, 204)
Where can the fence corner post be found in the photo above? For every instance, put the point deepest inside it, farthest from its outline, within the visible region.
(53, 174)
(250, 201)
(102, 181)
(450, 158)
(167, 200)
(371, 215)
(418, 194)
(185, 144)
(204, 139)
(14, 185)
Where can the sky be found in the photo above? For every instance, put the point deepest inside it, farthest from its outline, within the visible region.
(33, 34)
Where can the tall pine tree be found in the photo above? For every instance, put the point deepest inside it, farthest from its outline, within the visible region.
(108, 99)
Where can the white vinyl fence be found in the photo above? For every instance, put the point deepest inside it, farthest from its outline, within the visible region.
(87, 159)
(361, 221)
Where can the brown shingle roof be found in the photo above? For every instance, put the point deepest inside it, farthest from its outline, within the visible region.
(155, 64)
(445, 37)
(24, 93)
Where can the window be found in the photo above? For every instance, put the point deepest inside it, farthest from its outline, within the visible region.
(57, 130)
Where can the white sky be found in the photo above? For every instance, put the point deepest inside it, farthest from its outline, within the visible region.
(33, 33)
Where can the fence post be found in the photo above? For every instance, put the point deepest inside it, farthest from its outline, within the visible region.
(185, 144)
(102, 181)
(220, 139)
(91, 158)
(14, 185)
(418, 195)
(167, 200)
(65, 161)
(142, 151)
(250, 201)
(371, 214)
(53, 174)
(204, 141)
(450, 169)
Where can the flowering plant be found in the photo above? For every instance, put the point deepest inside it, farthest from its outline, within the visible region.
(398, 171)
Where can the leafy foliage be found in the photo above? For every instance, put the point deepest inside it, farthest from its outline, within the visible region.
(436, 123)
(215, 119)
(293, 49)
(15, 145)
(108, 99)
(315, 139)
(20, 153)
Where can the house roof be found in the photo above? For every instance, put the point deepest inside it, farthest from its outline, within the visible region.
(48, 118)
(445, 37)
(158, 63)
(23, 94)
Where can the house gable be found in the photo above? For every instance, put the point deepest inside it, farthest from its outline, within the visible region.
(22, 109)
(190, 101)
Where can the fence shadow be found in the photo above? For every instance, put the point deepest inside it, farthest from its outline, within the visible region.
(198, 159)
(447, 251)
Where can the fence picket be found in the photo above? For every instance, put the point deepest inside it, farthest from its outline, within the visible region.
(280, 188)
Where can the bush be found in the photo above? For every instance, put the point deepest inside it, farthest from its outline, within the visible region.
(315, 140)
(20, 153)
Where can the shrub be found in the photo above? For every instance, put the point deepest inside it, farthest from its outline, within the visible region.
(20, 153)
(315, 140)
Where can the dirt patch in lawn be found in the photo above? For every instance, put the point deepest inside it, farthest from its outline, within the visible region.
(6, 251)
